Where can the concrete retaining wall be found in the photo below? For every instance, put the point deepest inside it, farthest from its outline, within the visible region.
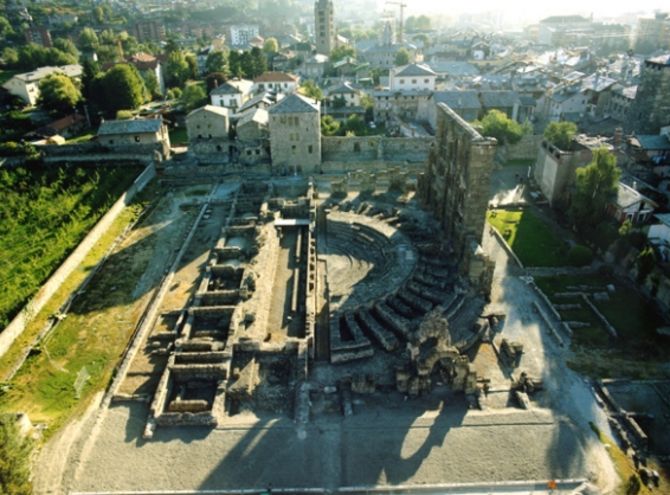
(18, 324)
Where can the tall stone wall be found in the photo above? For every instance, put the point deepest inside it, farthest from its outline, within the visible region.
(373, 148)
(456, 183)
(18, 324)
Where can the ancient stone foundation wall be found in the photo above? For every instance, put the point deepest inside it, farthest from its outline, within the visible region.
(371, 148)
(97, 153)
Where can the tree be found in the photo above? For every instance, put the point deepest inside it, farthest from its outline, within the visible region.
(66, 46)
(271, 46)
(498, 125)
(151, 83)
(355, 125)
(402, 57)
(58, 93)
(194, 96)
(88, 40)
(560, 134)
(329, 126)
(15, 452)
(120, 88)
(421, 23)
(596, 185)
(177, 69)
(216, 62)
(90, 70)
(311, 90)
(645, 262)
(6, 29)
(341, 52)
(259, 62)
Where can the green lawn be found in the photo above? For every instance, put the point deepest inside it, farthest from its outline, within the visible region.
(533, 241)
(77, 359)
(178, 136)
(627, 311)
(520, 162)
(46, 212)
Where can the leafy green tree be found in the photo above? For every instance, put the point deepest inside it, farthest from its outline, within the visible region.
(10, 56)
(560, 134)
(15, 454)
(271, 46)
(259, 62)
(596, 185)
(177, 69)
(311, 90)
(402, 57)
(88, 40)
(121, 87)
(6, 29)
(420, 23)
(192, 63)
(151, 83)
(216, 62)
(498, 125)
(58, 93)
(341, 52)
(32, 56)
(329, 126)
(66, 46)
(90, 70)
(355, 125)
(174, 93)
(99, 14)
(193, 97)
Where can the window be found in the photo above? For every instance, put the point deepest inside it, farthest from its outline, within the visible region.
(426, 81)
(413, 81)
(402, 81)
(357, 147)
(310, 149)
(137, 139)
(248, 152)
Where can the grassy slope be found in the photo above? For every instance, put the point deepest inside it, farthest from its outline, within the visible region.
(46, 217)
(531, 239)
(88, 342)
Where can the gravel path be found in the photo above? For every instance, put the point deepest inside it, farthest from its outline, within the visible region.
(449, 445)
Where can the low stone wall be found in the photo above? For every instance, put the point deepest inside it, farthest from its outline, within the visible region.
(18, 324)
(95, 152)
(370, 148)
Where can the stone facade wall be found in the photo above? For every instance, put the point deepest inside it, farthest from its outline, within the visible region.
(649, 110)
(18, 324)
(295, 141)
(371, 148)
(555, 170)
(205, 125)
(456, 183)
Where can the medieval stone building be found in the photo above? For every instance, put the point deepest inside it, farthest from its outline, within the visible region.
(295, 135)
(324, 26)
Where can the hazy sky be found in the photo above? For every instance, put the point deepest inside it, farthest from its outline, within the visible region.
(537, 8)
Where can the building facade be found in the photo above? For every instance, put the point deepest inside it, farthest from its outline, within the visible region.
(295, 135)
(651, 108)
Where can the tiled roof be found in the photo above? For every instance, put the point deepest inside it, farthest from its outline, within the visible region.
(223, 112)
(274, 76)
(458, 99)
(412, 70)
(497, 99)
(233, 87)
(135, 126)
(295, 104)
